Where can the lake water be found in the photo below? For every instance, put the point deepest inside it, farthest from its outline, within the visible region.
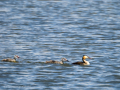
(41, 30)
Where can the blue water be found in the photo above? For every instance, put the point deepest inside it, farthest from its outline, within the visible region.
(41, 30)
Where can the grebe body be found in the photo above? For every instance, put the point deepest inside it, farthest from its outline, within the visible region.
(58, 62)
(10, 59)
(84, 62)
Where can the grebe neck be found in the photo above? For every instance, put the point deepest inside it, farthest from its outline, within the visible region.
(14, 58)
(86, 62)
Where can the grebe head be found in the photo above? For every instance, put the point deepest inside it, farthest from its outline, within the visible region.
(64, 60)
(85, 57)
(16, 56)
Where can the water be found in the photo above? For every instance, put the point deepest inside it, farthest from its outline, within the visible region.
(40, 30)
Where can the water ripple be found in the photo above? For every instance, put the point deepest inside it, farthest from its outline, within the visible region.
(42, 30)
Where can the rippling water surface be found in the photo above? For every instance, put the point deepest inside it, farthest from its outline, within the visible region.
(40, 30)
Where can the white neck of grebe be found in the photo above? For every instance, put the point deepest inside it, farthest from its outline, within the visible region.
(86, 62)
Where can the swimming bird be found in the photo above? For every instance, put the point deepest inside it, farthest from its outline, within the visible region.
(10, 59)
(84, 61)
(58, 62)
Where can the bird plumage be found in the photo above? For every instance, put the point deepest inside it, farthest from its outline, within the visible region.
(10, 59)
(58, 62)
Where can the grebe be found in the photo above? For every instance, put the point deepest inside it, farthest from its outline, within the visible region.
(84, 61)
(11, 60)
(58, 62)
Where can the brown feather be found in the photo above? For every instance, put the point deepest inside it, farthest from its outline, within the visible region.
(58, 62)
(79, 63)
(52, 61)
(9, 60)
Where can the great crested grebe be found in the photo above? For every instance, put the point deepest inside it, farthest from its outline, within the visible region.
(84, 61)
(10, 59)
(58, 62)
